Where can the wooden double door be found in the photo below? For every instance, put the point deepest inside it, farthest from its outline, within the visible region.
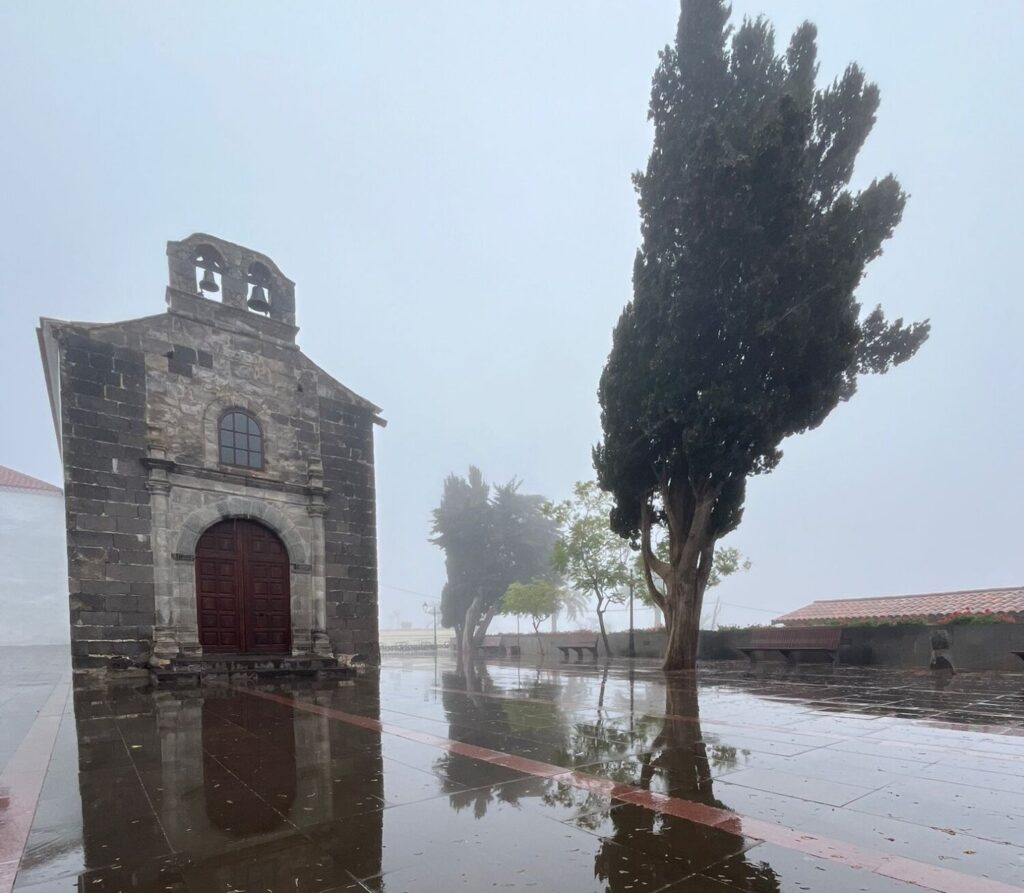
(242, 590)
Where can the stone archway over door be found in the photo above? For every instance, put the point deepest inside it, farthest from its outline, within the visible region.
(242, 589)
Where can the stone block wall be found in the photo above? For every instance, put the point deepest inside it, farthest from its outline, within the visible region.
(200, 361)
(110, 558)
(350, 525)
(972, 647)
(907, 645)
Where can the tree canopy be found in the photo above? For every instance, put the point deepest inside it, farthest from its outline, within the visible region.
(491, 537)
(744, 327)
(589, 555)
(538, 600)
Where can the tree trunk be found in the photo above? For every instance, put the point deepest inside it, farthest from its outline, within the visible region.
(604, 632)
(682, 624)
(473, 631)
(458, 643)
(482, 623)
(540, 641)
(685, 574)
(469, 645)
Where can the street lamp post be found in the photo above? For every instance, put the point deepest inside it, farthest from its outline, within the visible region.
(432, 610)
(632, 641)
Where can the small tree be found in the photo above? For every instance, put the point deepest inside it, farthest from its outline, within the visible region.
(462, 529)
(491, 539)
(744, 328)
(537, 600)
(590, 556)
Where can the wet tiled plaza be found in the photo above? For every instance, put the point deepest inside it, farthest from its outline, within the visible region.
(565, 777)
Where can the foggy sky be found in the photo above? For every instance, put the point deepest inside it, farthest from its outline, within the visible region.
(448, 185)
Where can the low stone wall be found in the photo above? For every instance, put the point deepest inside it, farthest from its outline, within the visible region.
(648, 643)
(972, 647)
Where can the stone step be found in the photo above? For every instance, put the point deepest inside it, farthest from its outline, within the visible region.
(230, 662)
(248, 669)
(191, 675)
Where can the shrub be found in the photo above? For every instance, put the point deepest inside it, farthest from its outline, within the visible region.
(958, 618)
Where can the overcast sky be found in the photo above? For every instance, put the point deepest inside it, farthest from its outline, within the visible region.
(449, 186)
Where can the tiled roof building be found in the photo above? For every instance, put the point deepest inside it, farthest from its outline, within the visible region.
(15, 480)
(925, 608)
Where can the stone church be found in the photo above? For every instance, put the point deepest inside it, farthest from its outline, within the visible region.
(219, 484)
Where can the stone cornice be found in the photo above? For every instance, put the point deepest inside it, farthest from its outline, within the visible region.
(249, 481)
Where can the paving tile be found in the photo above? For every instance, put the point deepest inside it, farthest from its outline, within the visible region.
(979, 816)
(569, 862)
(291, 863)
(987, 776)
(768, 806)
(972, 856)
(771, 868)
(140, 876)
(816, 790)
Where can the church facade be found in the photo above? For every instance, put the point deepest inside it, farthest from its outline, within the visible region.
(219, 484)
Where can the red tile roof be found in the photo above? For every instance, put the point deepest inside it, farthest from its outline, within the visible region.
(15, 480)
(930, 606)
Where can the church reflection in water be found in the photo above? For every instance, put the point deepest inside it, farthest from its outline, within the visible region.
(222, 790)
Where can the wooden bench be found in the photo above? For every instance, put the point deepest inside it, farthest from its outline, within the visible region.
(793, 640)
(491, 646)
(579, 644)
(498, 646)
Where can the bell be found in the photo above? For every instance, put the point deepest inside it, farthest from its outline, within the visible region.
(208, 283)
(258, 300)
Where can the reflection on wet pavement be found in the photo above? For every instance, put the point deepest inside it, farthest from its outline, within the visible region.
(560, 777)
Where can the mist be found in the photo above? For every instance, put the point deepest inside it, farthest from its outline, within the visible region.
(449, 187)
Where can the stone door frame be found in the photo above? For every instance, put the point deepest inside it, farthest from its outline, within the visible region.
(176, 607)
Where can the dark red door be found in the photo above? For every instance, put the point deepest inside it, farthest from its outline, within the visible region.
(242, 587)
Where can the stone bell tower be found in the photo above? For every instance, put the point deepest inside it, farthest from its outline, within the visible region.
(246, 279)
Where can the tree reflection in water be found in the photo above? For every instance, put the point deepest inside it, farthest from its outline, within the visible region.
(477, 717)
(679, 762)
(668, 754)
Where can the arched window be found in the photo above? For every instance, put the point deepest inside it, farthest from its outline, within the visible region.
(240, 439)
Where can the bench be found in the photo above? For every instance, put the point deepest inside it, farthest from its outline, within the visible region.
(498, 646)
(578, 644)
(793, 640)
(491, 646)
(1019, 654)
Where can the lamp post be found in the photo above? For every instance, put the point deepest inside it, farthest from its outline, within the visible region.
(632, 640)
(432, 610)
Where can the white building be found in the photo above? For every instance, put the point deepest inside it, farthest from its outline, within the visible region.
(33, 562)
